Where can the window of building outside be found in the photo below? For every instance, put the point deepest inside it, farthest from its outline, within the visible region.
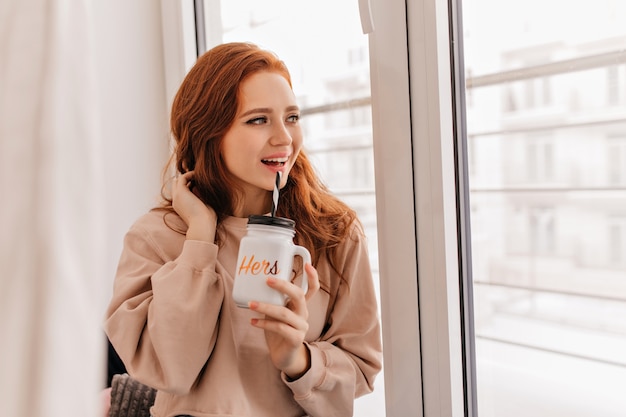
(327, 55)
(546, 122)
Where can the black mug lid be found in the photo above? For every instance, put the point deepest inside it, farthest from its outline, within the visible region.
(272, 221)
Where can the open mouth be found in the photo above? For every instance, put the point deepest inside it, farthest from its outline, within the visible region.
(276, 162)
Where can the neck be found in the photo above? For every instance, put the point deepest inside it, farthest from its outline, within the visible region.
(259, 205)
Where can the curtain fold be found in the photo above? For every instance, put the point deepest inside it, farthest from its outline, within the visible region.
(51, 217)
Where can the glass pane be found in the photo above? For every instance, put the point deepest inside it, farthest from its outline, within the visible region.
(546, 107)
(327, 54)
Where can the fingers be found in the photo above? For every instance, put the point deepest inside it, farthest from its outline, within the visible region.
(184, 179)
(280, 321)
(294, 294)
(314, 282)
(181, 182)
(295, 314)
(279, 315)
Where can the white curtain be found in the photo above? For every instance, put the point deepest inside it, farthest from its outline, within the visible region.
(51, 217)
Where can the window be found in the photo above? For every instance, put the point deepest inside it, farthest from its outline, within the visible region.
(617, 242)
(548, 182)
(616, 161)
(616, 85)
(540, 159)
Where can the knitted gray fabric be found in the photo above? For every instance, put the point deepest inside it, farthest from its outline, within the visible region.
(130, 398)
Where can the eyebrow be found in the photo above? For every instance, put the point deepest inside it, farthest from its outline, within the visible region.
(266, 110)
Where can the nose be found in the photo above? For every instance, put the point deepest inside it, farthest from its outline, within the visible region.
(281, 135)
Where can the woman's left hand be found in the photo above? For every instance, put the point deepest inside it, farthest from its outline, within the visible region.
(285, 327)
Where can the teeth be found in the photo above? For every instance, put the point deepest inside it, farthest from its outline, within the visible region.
(278, 160)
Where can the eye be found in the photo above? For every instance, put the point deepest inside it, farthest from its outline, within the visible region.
(257, 120)
(293, 118)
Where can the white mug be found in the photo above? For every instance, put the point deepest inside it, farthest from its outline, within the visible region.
(266, 251)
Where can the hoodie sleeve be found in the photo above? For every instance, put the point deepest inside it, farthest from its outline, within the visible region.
(163, 316)
(348, 356)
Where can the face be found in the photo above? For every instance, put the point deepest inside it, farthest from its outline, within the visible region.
(265, 137)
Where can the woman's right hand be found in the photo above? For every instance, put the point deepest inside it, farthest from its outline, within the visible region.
(200, 218)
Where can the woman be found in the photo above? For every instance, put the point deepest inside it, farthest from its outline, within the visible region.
(172, 319)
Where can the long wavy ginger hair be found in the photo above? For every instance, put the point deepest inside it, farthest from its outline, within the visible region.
(203, 110)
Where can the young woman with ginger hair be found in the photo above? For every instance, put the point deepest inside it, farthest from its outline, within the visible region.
(172, 318)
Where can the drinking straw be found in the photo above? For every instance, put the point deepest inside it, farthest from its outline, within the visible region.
(276, 193)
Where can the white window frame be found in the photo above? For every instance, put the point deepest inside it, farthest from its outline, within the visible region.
(413, 119)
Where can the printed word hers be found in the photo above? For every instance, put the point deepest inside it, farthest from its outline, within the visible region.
(253, 267)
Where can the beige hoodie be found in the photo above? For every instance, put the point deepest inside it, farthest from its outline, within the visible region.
(173, 322)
